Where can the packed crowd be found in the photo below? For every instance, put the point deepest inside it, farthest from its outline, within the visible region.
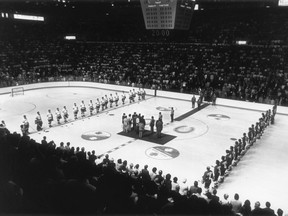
(251, 73)
(46, 178)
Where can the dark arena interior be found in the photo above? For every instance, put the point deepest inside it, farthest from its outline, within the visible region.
(227, 59)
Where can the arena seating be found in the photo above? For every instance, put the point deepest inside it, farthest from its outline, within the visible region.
(252, 73)
(48, 178)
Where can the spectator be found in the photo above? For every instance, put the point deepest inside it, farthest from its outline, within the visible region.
(246, 208)
(236, 204)
(257, 210)
(193, 188)
(268, 211)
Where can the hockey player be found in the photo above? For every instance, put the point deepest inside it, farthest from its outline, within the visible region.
(139, 93)
(97, 105)
(111, 100)
(75, 111)
(25, 125)
(116, 99)
(38, 122)
(103, 103)
(130, 96)
(65, 114)
(83, 109)
(58, 115)
(91, 107)
(49, 118)
(106, 101)
(123, 98)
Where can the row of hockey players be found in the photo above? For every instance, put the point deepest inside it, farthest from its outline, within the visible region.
(100, 105)
(233, 155)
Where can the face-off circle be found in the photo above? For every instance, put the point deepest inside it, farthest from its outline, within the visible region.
(162, 153)
(184, 129)
(192, 128)
(95, 135)
(164, 109)
(219, 117)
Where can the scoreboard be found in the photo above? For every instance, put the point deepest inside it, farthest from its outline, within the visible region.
(167, 14)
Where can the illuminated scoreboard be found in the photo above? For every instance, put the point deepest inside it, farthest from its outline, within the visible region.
(283, 3)
(167, 14)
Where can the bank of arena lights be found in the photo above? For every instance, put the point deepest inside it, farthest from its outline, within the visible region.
(28, 17)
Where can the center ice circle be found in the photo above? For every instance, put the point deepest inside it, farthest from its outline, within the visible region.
(95, 135)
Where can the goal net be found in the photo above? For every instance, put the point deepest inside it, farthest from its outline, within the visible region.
(17, 91)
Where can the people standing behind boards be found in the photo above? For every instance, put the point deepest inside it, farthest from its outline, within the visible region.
(193, 100)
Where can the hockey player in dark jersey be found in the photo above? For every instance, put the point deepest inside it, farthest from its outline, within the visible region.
(116, 99)
(75, 111)
(111, 100)
(97, 105)
(83, 109)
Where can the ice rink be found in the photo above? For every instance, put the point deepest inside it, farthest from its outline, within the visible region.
(200, 139)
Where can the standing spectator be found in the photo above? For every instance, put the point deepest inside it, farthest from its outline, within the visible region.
(134, 119)
(172, 114)
(268, 211)
(159, 127)
(236, 204)
(92, 158)
(193, 188)
(3, 130)
(174, 183)
(199, 101)
(44, 141)
(144, 174)
(246, 208)
(257, 210)
(193, 100)
(279, 212)
(214, 196)
(141, 127)
(226, 200)
(129, 122)
(184, 187)
(214, 97)
(159, 178)
(153, 174)
(152, 123)
(136, 170)
(118, 164)
(67, 147)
